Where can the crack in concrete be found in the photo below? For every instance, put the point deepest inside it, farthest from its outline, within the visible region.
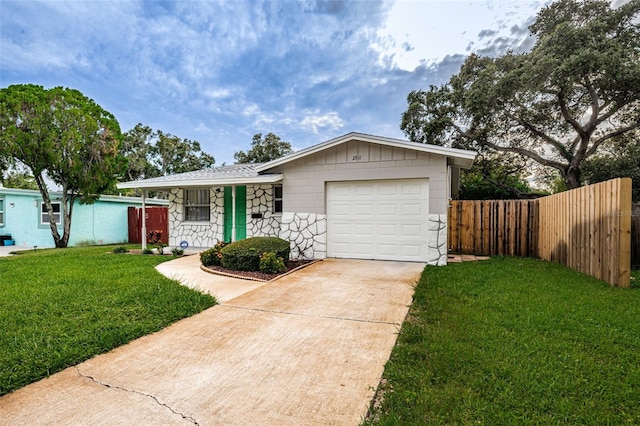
(162, 404)
(309, 315)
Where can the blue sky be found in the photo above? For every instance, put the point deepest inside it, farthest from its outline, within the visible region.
(220, 71)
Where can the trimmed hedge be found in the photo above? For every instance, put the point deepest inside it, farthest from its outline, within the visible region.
(245, 255)
(213, 256)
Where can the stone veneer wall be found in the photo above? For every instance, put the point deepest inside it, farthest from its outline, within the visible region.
(197, 234)
(306, 233)
(260, 200)
(437, 240)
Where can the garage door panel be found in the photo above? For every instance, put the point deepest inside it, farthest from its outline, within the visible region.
(384, 220)
(411, 209)
(411, 230)
(387, 230)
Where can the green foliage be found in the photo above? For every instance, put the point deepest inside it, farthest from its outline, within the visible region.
(64, 135)
(213, 257)
(61, 307)
(496, 178)
(621, 159)
(177, 251)
(120, 250)
(20, 180)
(264, 150)
(271, 264)
(152, 153)
(147, 251)
(245, 255)
(557, 104)
(514, 341)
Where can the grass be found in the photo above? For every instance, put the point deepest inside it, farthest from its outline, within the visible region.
(61, 307)
(514, 341)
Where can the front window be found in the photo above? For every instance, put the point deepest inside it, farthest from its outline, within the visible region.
(196, 205)
(1, 212)
(277, 198)
(44, 213)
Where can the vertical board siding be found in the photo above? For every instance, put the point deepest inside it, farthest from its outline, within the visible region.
(157, 219)
(493, 227)
(588, 229)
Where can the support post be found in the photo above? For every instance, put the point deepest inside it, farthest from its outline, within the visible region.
(233, 213)
(144, 219)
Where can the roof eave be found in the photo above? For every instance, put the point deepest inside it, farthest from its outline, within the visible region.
(458, 154)
(269, 178)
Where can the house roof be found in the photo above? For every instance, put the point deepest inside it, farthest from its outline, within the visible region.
(242, 174)
(459, 157)
(237, 174)
(105, 198)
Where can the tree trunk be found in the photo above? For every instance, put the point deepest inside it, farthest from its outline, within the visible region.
(42, 186)
(572, 178)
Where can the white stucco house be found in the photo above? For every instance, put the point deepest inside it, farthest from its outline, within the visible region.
(355, 196)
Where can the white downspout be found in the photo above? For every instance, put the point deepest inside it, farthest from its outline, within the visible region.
(144, 219)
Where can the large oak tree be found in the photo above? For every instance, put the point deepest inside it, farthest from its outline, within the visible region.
(264, 149)
(557, 104)
(60, 134)
(152, 153)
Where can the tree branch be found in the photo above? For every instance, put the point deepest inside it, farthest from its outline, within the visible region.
(529, 154)
(555, 143)
(615, 133)
(569, 119)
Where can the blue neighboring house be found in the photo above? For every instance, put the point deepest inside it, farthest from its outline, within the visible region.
(24, 218)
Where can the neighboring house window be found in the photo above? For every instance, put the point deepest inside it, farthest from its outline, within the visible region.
(44, 214)
(277, 198)
(196, 205)
(1, 212)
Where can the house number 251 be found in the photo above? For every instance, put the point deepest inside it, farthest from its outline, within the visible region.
(356, 158)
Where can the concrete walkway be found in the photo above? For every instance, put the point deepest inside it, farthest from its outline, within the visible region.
(308, 348)
(6, 250)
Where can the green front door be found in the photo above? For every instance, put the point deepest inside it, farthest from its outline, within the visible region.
(241, 213)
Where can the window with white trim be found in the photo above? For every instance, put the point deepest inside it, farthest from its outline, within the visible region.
(1, 212)
(196, 205)
(277, 198)
(44, 213)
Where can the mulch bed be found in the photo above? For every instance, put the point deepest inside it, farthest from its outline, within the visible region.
(257, 275)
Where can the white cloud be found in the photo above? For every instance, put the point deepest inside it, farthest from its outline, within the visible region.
(418, 32)
(315, 121)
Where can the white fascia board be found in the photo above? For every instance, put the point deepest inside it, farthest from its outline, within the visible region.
(270, 178)
(456, 153)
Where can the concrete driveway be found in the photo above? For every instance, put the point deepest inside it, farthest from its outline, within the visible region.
(308, 348)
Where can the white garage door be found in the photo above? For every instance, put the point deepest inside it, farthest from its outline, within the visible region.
(382, 219)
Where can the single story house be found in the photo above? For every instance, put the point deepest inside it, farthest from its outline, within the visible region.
(355, 196)
(24, 219)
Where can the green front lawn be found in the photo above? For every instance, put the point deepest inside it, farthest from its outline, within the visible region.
(60, 307)
(514, 341)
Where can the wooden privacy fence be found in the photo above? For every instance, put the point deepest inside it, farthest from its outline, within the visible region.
(494, 227)
(635, 235)
(587, 229)
(157, 220)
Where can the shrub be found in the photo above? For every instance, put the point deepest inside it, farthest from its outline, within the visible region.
(155, 237)
(120, 249)
(177, 251)
(212, 256)
(245, 255)
(271, 264)
(147, 251)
